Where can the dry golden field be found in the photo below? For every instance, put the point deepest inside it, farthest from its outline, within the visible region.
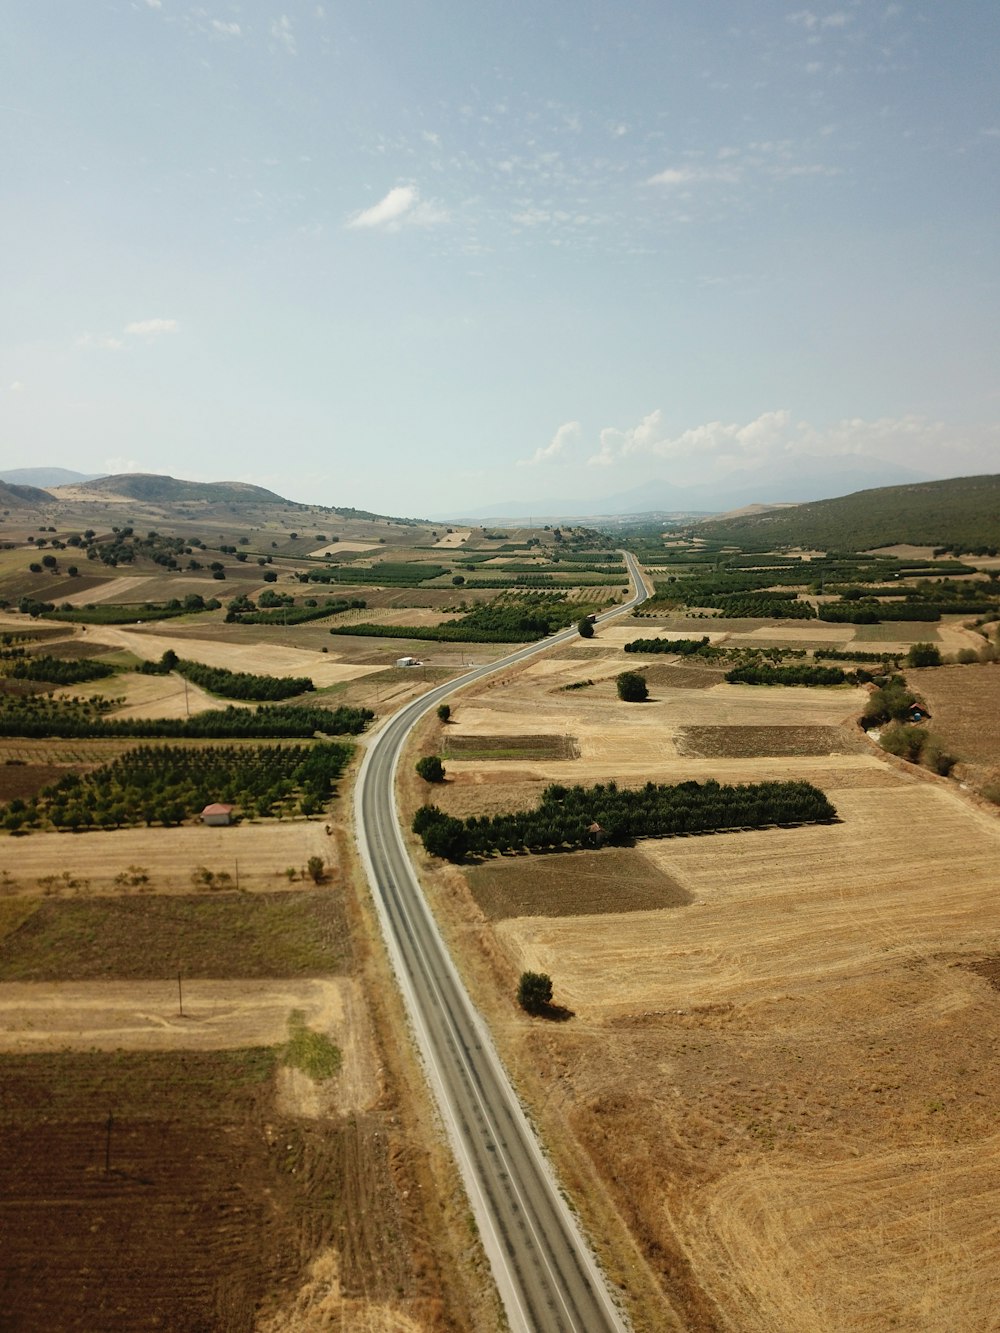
(785, 1076)
(260, 853)
(266, 658)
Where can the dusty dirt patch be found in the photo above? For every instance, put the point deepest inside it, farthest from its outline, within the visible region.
(344, 546)
(573, 884)
(751, 742)
(144, 1015)
(230, 935)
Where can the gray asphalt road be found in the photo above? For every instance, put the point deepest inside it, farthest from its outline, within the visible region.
(543, 1267)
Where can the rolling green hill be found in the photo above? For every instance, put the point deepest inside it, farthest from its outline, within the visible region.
(963, 511)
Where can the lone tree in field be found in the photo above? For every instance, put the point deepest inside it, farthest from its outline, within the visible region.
(534, 992)
(430, 768)
(444, 712)
(585, 627)
(632, 687)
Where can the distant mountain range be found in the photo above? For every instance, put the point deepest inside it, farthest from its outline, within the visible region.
(803, 479)
(47, 476)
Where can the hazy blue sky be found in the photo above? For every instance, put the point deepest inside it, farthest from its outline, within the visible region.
(412, 254)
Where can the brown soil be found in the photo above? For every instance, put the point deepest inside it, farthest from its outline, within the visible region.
(964, 702)
(212, 1207)
(573, 884)
(751, 742)
(26, 780)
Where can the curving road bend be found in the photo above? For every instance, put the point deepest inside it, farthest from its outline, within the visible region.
(546, 1274)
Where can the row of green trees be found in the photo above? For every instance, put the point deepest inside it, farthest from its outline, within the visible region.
(243, 684)
(800, 674)
(249, 614)
(570, 817)
(42, 716)
(120, 613)
(59, 670)
(685, 647)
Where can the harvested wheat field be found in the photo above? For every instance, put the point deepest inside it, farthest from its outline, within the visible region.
(81, 863)
(785, 1072)
(779, 909)
(263, 658)
(637, 741)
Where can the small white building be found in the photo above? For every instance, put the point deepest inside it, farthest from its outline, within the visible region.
(217, 814)
(408, 661)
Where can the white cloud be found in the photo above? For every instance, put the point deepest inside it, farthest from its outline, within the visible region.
(402, 206)
(154, 4)
(15, 386)
(805, 18)
(225, 29)
(102, 340)
(691, 175)
(557, 448)
(281, 31)
(149, 328)
(726, 447)
(115, 466)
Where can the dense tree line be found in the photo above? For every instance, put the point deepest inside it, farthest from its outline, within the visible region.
(293, 615)
(42, 716)
(167, 784)
(405, 574)
(685, 647)
(762, 674)
(567, 816)
(243, 684)
(120, 613)
(839, 655)
(59, 670)
(874, 613)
